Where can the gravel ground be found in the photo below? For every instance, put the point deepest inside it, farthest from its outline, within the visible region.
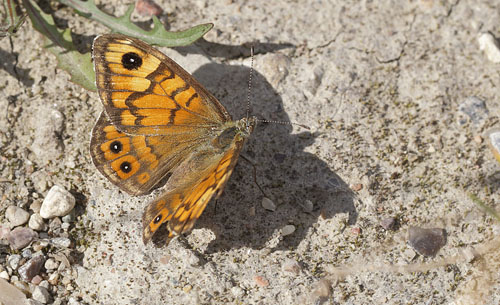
(400, 100)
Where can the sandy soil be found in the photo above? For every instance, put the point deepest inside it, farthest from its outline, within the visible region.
(383, 86)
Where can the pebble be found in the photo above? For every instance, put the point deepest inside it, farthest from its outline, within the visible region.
(37, 223)
(20, 237)
(4, 275)
(58, 202)
(357, 187)
(4, 231)
(268, 204)
(16, 216)
(308, 206)
(237, 291)
(33, 302)
(491, 47)
(388, 223)
(288, 230)
(494, 143)
(27, 253)
(51, 264)
(61, 242)
(426, 242)
(36, 206)
(472, 109)
(292, 266)
(261, 281)
(148, 8)
(41, 294)
(275, 67)
(322, 291)
(14, 260)
(32, 267)
(10, 294)
(36, 280)
(54, 278)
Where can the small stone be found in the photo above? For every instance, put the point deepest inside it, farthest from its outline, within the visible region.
(388, 223)
(4, 231)
(472, 109)
(237, 292)
(4, 275)
(357, 187)
(426, 242)
(44, 284)
(288, 230)
(36, 280)
(51, 264)
(73, 301)
(61, 242)
(10, 294)
(20, 237)
(322, 291)
(494, 143)
(27, 253)
(55, 226)
(41, 294)
(14, 260)
(32, 268)
(58, 202)
(308, 206)
(187, 288)
(70, 217)
(261, 281)
(16, 215)
(54, 278)
(268, 204)
(34, 302)
(148, 8)
(292, 266)
(65, 226)
(36, 223)
(356, 231)
(490, 46)
(36, 206)
(478, 139)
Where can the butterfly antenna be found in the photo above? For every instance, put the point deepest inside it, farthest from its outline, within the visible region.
(250, 82)
(284, 123)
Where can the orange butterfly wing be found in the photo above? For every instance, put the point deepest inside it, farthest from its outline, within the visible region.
(145, 92)
(189, 190)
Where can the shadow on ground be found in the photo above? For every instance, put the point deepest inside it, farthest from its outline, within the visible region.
(289, 175)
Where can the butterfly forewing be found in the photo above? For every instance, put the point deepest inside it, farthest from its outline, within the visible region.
(145, 92)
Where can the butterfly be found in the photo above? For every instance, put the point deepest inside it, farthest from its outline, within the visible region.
(159, 122)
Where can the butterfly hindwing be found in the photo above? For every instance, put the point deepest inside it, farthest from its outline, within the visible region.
(186, 198)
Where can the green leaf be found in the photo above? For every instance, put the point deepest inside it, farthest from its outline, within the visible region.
(60, 43)
(156, 36)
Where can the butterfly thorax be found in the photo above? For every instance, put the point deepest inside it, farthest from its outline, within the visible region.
(234, 131)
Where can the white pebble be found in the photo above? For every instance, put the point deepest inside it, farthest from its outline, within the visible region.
(16, 215)
(268, 204)
(58, 202)
(287, 230)
(490, 46)
(36, 223)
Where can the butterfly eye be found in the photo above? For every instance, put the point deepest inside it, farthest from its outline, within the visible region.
(157, 219)
(116, 147)
(126, 167)
(131, 61)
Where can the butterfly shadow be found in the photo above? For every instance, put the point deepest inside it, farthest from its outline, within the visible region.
(301, 185)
